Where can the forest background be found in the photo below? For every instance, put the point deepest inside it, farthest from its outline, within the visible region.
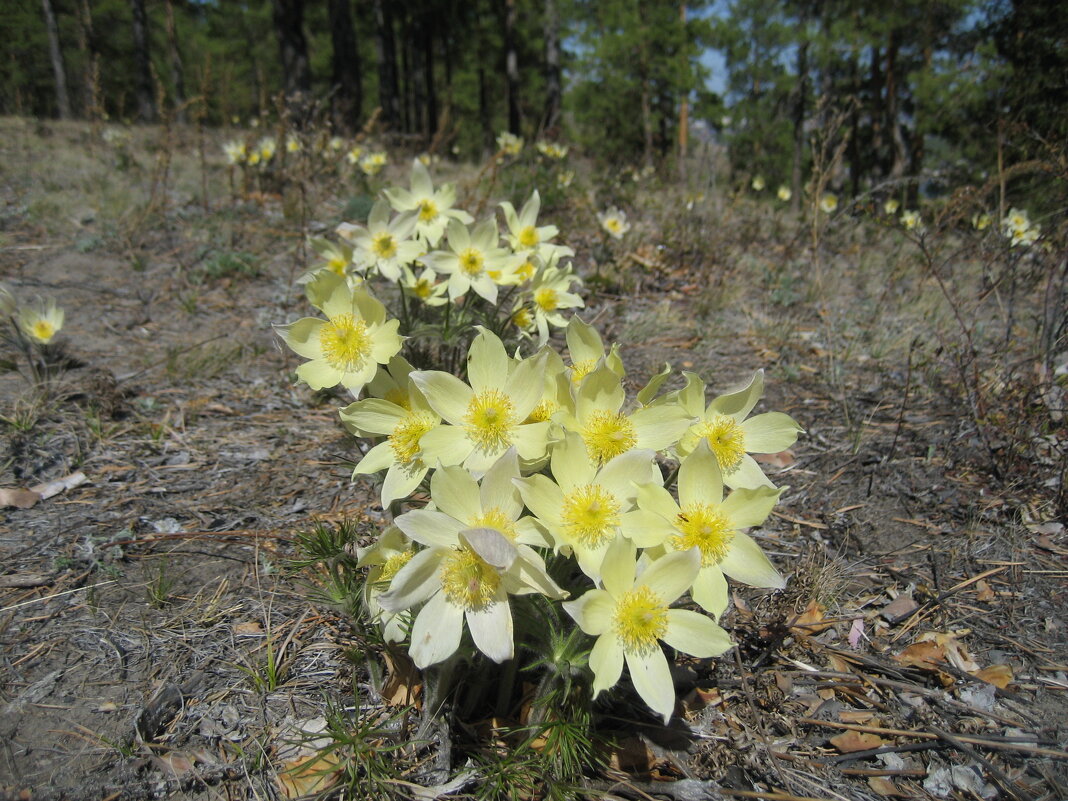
(910, 87)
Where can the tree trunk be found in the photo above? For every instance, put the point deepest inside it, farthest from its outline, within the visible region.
(893, 124)
(293, 52)
(388, 93)
(177, 71)
(348, 93)
(553, 91)
(56, 54)
(428, 84)
(91, 75)
(146, 104)
(511, 66)
(800, 95)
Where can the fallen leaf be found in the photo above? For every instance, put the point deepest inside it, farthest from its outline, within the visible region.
(248, 628)
(50, 488)
(924, 655)
(899, 608)
(308, 774)
(632, 755)
(998, 675)
(883, 786)
(17, 497)
(851, 741)
(856, 631)
(984, 592)
(403, 684)
(777, 460)
(811, 621)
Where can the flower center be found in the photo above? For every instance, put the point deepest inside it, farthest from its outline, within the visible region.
(496, 519)
(608, 434)
(528, 237)
(706, 527)
(590, 514)
(640, 620)
(471, 261)
(547, 299)
(490, 419)
(726, 439)
(384, 245)
(336, 265)
(423, 289)
(392, 566)
(428, 211)
(43, 330)
(404, 439)
(467, 580)
(613, 224)
(345, 342)
(543, 411)
(526, 270)
(580, 370)
(521, 318)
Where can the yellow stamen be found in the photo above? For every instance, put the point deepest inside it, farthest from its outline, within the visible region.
(345, 342)
(522, 318)
(706, 527)
(547, 298)
(404, 439)
(526, 270)
(726, 439)
(384, 246)
(640, 620)
(467, 580)
(543, 411)
(490, 419)
(392, 566)
(608, 434)
(580, 370)
(495, 518)
(472, 261)
(337, 265)
(590, 515)
(428, 211)
(43, 331)
(528, 237)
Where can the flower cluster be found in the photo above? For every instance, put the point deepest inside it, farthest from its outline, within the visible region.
(1019, 229)
(537, 457)
(417, 239)
(329, 150)
(526, 478)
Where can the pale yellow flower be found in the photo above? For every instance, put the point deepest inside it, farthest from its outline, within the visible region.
(614, 222)
(703, 519)
(41, 323)
(509, 144)
(489, 415)
(784, 193)
(475, 557)
(758, 183)
(348, 346)
(632, 614)
(828, 203)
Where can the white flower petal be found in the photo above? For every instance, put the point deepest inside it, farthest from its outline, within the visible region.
(606, 662)
(651, 677)
(430, 527)
(436, 632)
(491, 629)
(695, 634)
(745, 562)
